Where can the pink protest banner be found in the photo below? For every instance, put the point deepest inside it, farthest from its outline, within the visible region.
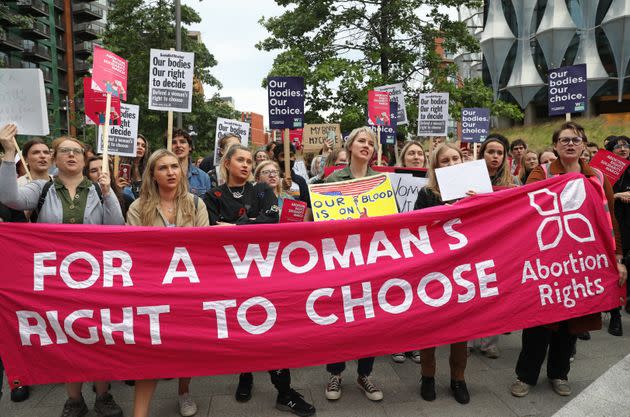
(109, 73)
(111, 302)
(95, 106)
(291, 211)
(378, 108)
(611, 165)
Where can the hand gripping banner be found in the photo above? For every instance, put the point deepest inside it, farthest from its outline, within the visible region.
(83, 303)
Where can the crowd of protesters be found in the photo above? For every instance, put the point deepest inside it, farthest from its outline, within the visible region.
(66, 184)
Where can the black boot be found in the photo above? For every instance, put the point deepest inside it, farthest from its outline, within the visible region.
(584, 336)
(460, 391)
(614, 327)
(20, 394)
(244, 389)
(427, 388)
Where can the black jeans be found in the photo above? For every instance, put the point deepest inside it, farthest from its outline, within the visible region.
(364, 368)
(535, 342)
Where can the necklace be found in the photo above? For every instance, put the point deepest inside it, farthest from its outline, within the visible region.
(237, 194)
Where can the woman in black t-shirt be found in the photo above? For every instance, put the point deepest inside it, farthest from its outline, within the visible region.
(238, 202)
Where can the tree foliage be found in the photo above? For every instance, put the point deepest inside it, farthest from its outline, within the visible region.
(136, 26)
(343, 48)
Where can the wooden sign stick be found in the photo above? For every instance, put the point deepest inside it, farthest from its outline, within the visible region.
(105, 140)
(379, 154)
(287, 154)
(19, 153)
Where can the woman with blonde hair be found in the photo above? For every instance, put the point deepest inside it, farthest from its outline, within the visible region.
(429, 196)
(412, 155)
(165, 201)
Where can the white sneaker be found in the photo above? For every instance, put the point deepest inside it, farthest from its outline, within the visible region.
(369, 389)
(398, 357)
(333, 389)
(187, 406)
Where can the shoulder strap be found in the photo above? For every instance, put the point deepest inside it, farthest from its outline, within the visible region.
(40, 202)
(196, 201)
(99, 192)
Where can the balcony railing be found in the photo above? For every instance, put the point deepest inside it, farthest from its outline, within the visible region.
(38, 30)
(9, 41)
(81, 66)
(87, 12)
(37, 52)
(33, 7)
(90, 30)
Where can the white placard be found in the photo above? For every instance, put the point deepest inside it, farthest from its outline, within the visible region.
(433, 114)
(397, 95)
(225, 126)
(123, 138)
(171, 80)
(406, 188)
(23, 101)
(456, 180)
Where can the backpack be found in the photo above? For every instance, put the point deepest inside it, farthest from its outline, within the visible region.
(44, 193)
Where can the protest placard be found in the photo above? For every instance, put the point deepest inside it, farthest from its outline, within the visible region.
(226, 126)
(397, 95)
(406, 183)
(388, 133)
(314, 136)
(456, 180)
(475, 124)
(433, 114)
(23, 100)
(124, 137)
(286, 102)
(171, 80)
(291, 211)
(378, 108)
(95, 103)
(122, 302)
(567, 90)
(365, 197)
(109, 73)
(611, 165)
(295, 136)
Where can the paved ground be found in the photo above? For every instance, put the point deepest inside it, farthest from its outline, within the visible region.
(488, 381)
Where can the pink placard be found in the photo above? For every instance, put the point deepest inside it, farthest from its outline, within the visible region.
(292, 211)
(96, 104)
(109, 73)
(98, 303)
(611, 165)
(378, 108)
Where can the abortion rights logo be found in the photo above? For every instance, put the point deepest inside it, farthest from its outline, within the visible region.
(558, 216)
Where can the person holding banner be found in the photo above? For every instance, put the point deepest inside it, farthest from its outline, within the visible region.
(239, 202)
(620, 146)
(165, 202)
(429, 196)
(360, 148)
(559, 338)
(268, 172)
(70, 198)
(198, 181)
(412, 155)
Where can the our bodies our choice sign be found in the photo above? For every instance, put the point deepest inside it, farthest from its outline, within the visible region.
(475, 124)
(286, 102)
(97, 303)
(567, 90)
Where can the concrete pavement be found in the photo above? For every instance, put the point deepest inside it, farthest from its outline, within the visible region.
(488, 382)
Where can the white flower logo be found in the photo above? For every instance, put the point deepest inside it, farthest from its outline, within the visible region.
(556, 220)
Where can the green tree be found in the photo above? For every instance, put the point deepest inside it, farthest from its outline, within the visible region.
(136, 26)
(344, 48)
